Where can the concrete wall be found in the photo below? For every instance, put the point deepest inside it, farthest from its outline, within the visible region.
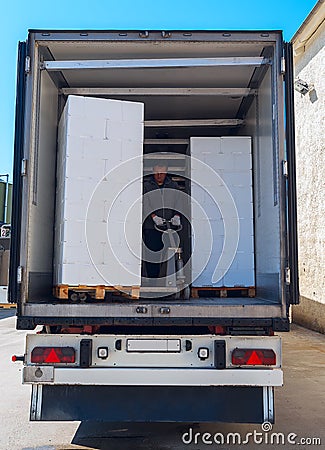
(4, 267)
(310, 146)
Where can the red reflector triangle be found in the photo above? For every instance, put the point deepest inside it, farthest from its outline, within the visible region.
(254, 359)
(52, 357)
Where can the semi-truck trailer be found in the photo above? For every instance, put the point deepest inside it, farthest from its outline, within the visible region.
(199, 343)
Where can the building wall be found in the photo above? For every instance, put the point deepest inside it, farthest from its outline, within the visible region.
(310, 148)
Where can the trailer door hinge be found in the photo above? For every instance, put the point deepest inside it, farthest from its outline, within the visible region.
(19, 274)
(283, 65)
(144, 34)
(285, 168)
(166, 34)
(23, 167)
(27, 65)
(287, 275)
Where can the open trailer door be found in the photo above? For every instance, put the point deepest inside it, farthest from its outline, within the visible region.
(17, 174)
(292, 238)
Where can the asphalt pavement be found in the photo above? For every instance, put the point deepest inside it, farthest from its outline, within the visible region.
(300, 408)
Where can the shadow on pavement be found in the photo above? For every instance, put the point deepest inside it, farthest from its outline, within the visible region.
(125, 436)
(4, 313)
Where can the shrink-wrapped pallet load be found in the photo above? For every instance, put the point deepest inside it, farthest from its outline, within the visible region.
(98, 223)
(222, 212)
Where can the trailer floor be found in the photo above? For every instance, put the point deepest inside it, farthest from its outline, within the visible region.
(212, 301)
(202, 301)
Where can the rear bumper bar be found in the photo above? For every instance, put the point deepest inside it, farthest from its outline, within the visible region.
(152, 376)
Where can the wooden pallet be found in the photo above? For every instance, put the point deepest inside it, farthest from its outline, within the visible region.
(64, 291)
(8, 305)
(223, 292)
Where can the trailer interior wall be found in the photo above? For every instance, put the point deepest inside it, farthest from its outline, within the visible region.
(42, 192)
(258, 124)
(266, 192)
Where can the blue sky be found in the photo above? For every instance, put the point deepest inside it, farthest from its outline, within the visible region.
(17, 16)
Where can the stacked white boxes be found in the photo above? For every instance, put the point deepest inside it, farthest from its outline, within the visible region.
(222, 212)
(98, 230)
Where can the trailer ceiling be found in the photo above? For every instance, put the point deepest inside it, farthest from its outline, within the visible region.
(173, 107)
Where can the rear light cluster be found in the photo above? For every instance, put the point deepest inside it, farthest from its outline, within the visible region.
(253, 357)
(53, 355)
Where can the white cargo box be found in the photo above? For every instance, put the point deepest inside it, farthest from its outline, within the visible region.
(99, 193)
(222, 212)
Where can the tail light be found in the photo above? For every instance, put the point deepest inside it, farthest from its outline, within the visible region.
(53, 355)
(253, 357)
